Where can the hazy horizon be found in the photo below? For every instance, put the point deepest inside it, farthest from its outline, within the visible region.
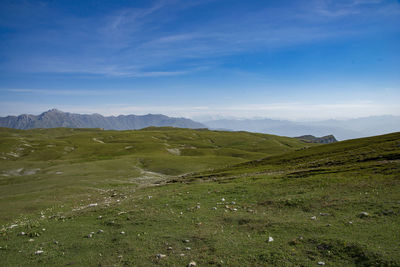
(288, 60)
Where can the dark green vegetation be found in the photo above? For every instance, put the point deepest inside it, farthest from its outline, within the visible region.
(310, 201)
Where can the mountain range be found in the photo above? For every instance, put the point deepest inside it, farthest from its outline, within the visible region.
(341, 129)
(55, 118)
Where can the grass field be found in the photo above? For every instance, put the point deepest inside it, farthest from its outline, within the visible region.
(215, 198)
(43, 168)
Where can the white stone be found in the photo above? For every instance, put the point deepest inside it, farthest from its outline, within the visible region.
(313, 218)
(160, 256)
(38, 252)
(321, 263)
(192, 263)
(270, 239)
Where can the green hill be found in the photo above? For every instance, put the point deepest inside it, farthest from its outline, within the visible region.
(335, 204)
(40, 168)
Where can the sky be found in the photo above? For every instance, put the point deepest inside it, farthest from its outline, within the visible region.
(202, 59)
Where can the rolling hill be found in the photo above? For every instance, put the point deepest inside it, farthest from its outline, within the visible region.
(44, 167)
(242, 200)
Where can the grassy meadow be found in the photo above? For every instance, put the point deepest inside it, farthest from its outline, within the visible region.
(167, 197)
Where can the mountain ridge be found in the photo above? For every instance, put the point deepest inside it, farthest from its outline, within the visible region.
(55, 118)
(341, 129)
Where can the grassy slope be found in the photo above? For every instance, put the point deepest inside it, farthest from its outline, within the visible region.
(274, 197)
(42, 168)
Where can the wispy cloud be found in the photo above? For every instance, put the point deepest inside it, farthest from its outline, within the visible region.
(54, 92)
(71, 92)
(292, 111)
(138, 42)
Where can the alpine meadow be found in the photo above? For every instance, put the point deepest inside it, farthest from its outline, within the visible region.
(199, 133)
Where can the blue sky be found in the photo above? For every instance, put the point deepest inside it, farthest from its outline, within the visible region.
(299, 60)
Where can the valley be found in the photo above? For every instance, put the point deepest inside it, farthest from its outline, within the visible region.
(173, 196)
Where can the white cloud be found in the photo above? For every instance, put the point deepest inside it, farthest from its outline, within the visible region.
(288, 111)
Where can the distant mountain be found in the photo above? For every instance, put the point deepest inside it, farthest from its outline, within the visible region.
(280, 127)
(55, 118)
(367, 126)
(341, 129)
(321, 140)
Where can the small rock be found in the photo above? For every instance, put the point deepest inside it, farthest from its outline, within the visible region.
(321, 263)
(38, 252)
(160, 256)
(100, 231)
(270, 239)
(92, 205)
(186, 241)
(313, 218)
(350, 222)
(31, 240)
(22, 233)
(329, 225)
(169, 248)
(55, 242)
(222, 199)
(234, 209)
(182, 255)
(149, 197)
(198, 207)
(89, 236)
(363, 214)
(192, 263)
(233, 202)
(188, 248)
(214, 208)
(122, 233)
(100, 217)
